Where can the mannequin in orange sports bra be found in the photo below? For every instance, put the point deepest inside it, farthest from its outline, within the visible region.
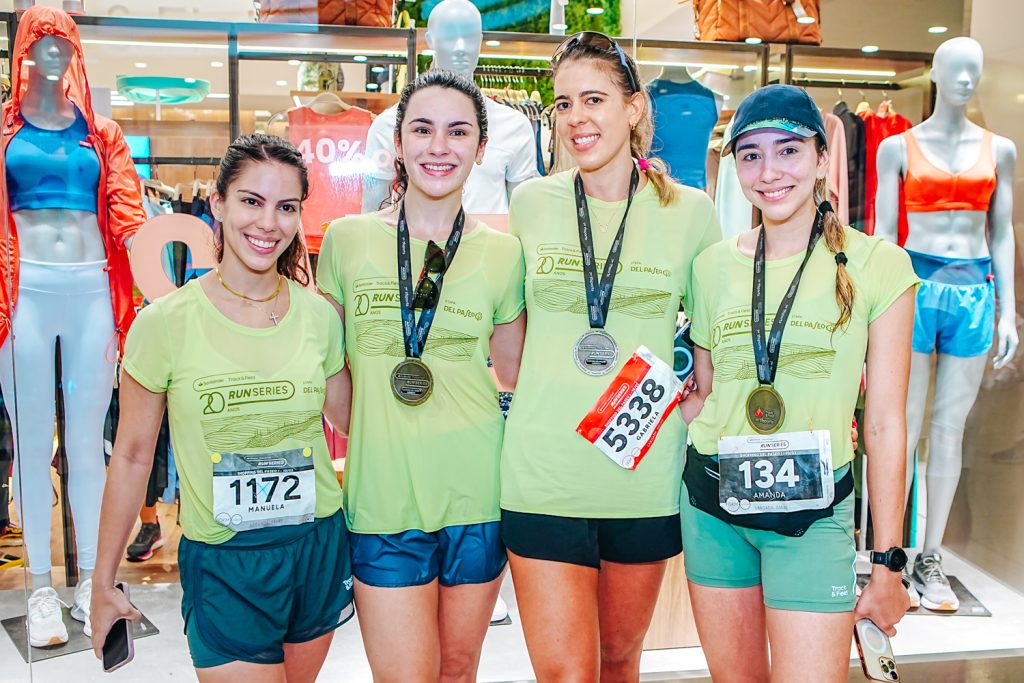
(957, 183)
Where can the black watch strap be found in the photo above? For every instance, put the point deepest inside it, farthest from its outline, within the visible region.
(894, 559)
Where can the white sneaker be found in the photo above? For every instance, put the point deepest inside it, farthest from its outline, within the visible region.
(83, 603)
(45, 622)
(933, 585)
(915, 597)
(500, 610)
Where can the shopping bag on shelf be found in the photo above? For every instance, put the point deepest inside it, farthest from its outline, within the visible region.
(336, 12)
(773, 21)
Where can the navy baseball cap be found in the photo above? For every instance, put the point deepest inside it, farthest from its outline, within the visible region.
(785, 107)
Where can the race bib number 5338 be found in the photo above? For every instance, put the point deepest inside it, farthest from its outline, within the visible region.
(626, 419)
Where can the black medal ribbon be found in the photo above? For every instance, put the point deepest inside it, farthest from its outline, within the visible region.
(766, 355)
(599, 294)
(415, 331)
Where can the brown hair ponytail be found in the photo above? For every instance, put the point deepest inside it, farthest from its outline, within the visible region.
(835, 240)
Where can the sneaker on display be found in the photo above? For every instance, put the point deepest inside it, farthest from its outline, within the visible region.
(932, 584)
(10, 534)
(500, 610)
(147, 540)
(45, 622)
(83, 602)
(915, 597)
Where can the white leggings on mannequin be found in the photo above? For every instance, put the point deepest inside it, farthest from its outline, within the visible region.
(72, 301)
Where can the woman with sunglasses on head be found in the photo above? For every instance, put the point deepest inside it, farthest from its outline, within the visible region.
(246, 360)
(783, 321)
(421, 476)
(588, 539)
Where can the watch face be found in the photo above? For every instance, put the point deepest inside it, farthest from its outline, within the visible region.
(897, 559)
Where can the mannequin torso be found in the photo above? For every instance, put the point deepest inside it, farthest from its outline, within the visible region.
(54, 235)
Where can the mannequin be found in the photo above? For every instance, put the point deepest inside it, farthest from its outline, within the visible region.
(960, 239)
(685, 112)
(73, 204)
(454, 34)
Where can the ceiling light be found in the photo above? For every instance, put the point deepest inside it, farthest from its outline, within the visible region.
(1020, 98)
(217, 96)
(869, 48)
(492, 43)
(281, 83)
(141, 65)
(594, 11)
(752, 41)
(216, 65)
(262, 114)
(805, 20)
(937, 29)
(749, 68)
(372, 86)
(378, 69)
(849, 72)
(190, 80)
(359, 58)
(294, 62)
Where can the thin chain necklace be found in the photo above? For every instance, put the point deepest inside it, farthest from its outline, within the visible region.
(250, 301)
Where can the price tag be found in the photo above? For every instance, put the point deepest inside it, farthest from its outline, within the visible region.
(626, 419)
(775, 472)
(257, 490)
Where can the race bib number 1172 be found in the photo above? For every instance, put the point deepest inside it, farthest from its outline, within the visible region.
(626, 419)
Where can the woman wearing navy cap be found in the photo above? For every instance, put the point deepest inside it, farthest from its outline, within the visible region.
(783, 321)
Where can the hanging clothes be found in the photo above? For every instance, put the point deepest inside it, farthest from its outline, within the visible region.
(877, 128)
(856, 161)
(838, 175)
(684, 116)
(333, 147)
(735, 212)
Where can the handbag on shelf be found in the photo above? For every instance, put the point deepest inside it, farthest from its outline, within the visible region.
(773, 21)
(335, 12)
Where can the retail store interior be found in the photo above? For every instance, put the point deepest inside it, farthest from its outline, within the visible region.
(182, 78)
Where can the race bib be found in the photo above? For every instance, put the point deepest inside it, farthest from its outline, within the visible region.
(776, 472)
(257, 490)
(626, 419)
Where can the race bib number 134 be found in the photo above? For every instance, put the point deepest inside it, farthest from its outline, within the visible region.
(626, 419)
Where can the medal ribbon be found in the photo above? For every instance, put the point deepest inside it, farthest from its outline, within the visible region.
(599, 294)
(767, 355)
(415, 332)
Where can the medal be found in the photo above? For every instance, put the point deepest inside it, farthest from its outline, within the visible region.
(595, 353)
(411, 382)
(765, 410)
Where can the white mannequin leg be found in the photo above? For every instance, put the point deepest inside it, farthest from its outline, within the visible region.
(957, 381)
(917, 398)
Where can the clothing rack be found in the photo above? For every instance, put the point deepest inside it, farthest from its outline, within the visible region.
(851, 85)
(509, 70)
(178, 161)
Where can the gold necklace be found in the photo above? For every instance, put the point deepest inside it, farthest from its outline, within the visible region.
(280, 281)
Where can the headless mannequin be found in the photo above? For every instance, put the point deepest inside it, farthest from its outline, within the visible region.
(61, 237)
(952, 143)
(454, 33)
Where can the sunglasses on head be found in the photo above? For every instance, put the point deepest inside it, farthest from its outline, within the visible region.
(596, 41)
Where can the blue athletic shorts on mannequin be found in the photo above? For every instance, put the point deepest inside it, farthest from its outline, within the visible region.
(956, 305)
(455, 555)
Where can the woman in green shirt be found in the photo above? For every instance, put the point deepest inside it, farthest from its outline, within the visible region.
(783, 320)
(421, 474)
(588, 536)
(246, 361)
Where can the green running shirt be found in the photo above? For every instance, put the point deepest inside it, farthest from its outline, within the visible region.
(547, 468)
(433, 465)
(819, 371)
(237, 389)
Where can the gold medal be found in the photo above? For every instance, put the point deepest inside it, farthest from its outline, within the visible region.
(765, 410)
(412, 382)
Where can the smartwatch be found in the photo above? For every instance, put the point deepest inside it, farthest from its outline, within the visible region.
(894, 559)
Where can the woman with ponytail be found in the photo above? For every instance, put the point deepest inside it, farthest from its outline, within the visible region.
(589, 536)
(784, 318)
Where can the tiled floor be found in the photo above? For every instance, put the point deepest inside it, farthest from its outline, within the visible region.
(921, 638)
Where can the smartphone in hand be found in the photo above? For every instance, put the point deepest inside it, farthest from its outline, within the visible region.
(118, 648)
(875, 651)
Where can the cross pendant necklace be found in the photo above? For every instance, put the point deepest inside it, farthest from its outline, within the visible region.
(273, 317)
